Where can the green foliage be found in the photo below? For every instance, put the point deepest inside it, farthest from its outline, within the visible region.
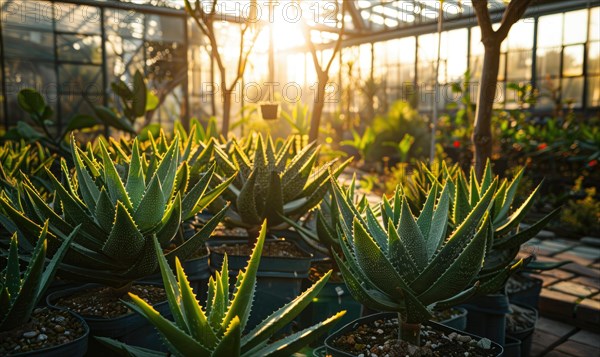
(505, 214)
(136, 101)
(410, 264)
(45, 129)
(121, 208)
(272, 183)
(582, 215)
(19, 158)
(216, 330)
(298, 118)
(21, 292)
(362, 143)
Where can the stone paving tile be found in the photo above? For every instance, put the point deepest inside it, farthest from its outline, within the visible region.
(587, 338)
(582, 270)
(559, 274)
(588, 310)
(570, 255)
(572, 288)
(577, 349)
(548, 280)
(560, 354)
(584, 280)
(553, 327)
(586, 251)
(591, 241)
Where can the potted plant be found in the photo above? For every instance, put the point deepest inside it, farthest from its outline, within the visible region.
(272, 184)
(269, 110)
(24, 329)
(410, 266)
(119, 217)
(488, 309)
(218, 329)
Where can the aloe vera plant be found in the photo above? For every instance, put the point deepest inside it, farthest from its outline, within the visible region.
(21, 291)
(121, 209)
(505, 215)
(30, 159)
(271, 183)
(411, 265)
(216, 330)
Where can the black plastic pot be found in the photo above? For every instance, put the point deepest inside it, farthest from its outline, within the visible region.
(132, 328)
(334, 352)
(76, 348)
(333, 298)
(458, 322)
(487, 316)
(529, 295)
(525, 336)
(512, 347)
(279, 279)
(295, 237)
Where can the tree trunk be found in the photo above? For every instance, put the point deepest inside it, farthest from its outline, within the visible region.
(315, 121)
(226, 112)
(482, 133)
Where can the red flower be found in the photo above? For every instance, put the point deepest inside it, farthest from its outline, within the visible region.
(456, 144)
(542, 146)
(592, 163)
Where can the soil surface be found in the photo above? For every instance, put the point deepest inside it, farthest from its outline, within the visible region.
(102, 302)
(517, 284)
(520, 319)
(47, 328)
(380, 338)
(270, 249)
(318, 269)
(236, 232)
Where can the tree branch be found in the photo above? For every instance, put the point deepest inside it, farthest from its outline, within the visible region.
(513, 13)
(338, 44)
(484, 20)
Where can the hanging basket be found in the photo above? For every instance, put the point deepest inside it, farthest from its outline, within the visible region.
(269, 111)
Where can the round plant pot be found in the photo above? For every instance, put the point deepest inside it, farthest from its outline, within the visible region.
(131, 328)
(525, 335)
(524, 289)
(279, 279)
(335, 352)
(269, 111)
(75, 348)
(487, 316)
(512, 347)
(295, 237)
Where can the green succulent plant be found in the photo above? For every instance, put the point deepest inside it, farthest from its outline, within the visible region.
(20, 291)
(410, 264)
(17, 157)
(121, 209)
(505, 215)
(271, 183)
(216, 330)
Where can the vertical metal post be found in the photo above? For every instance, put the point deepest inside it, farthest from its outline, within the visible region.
(59, 90)
(104, 63)
(534, 56)
(436, 84)
(2, 64)
(186, 81)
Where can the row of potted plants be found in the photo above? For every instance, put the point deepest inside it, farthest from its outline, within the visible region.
(121, 211)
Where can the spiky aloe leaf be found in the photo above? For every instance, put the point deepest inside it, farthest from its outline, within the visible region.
(105, 211)
(152, 207)
(125, 240)
(230, 343)
(12, 278)
(170, 222)
(274, 208)
(514, 219)
(123, 349)
(514, 241)
(426, 215)
(439, 223)
(87, 186)
(246, 201)
(116, 189)
(135, 185)
(244, 295)
(400, 256)
(411, 236)
(511, 191)
(193, 314)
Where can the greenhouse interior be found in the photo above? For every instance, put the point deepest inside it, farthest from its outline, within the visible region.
(368, 178)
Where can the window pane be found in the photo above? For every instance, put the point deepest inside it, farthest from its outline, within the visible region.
(548, 62)
(80, 79)
(573, 60)
(548, 89)
(594, 58)
(575, 27)
(594, 91)
(124, 23)
(80, 48)
(521, 35)
(550, 30)
(78, 18)
(29, 44)
(165, 28)
(572, 91)
(31, 15)
(519, 65)
(595, 24)
(73, 103)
